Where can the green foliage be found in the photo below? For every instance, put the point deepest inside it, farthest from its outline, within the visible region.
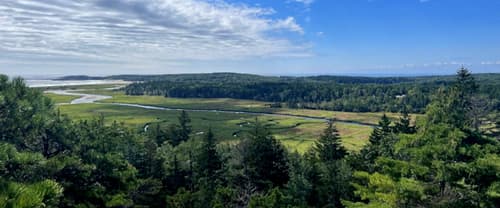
(404, 124)
(328, 146)
(273, 199)
(300, 188)
(351, 94)
(381, 189)
(182, 198)
(41, 194)
(444, 164)
(264, 159)
(225, 197)
(184, 127)
(334, 183)
(46, 160)
(209, 167)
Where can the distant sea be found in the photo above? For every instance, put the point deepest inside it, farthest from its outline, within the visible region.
(52, 83)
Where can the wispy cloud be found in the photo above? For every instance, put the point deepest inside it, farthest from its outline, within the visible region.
(145, 30)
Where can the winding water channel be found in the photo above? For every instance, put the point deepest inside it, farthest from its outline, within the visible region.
(94, 98)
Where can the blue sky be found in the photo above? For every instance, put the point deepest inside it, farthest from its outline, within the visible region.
(274, 37)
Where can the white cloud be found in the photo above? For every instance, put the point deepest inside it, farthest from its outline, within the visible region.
(143, 30)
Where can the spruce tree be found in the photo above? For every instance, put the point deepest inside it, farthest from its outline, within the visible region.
(329, 147)
(382, 130)
(264, 159)
(461, 98)
(209, 166)
(184, 126)
(404, 124)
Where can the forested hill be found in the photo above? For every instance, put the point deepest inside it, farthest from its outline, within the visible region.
(340, 93)
(239, 77)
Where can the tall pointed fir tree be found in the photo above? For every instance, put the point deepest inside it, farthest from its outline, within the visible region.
(404, 124)
(264, 159)
(382, 130)
(184, 126)
(209, 167)
(328, 146)
(374, 148)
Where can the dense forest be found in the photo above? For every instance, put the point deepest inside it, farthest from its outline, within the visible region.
(338, 93)
(444, 160)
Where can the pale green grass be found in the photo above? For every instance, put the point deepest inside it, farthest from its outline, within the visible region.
(244, 105)
(295, 133)
(58, 99)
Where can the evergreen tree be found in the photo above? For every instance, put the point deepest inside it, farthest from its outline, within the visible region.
(404, 124)
(184, 127)
(264, 159)
(453, 105)
(382, 130)
(328, 146)
(157, 134)
(180, 132)
(461, 98)
(378, 142)
(209, 167)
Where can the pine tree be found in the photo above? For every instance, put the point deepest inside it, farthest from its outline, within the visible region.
(209, 166)
(157, 134)
(381, 131)
(461, 98)
(375, 148)
(180, 132)
(264, 159)
(328, 147)
(404, 124)
(184, 126)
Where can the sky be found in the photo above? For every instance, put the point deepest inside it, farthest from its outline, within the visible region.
(271, 37)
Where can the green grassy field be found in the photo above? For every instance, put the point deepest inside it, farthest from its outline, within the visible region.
(59, 99)
(295, 133)
(241, 105)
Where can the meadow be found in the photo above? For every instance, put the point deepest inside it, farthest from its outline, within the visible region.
(295, 133)
(240, 105)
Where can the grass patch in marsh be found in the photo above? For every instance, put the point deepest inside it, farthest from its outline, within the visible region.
(59, 99)
(245, 105)
(295, 133)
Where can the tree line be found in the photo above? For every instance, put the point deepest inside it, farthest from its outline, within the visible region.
(46, 160)
(350, 94)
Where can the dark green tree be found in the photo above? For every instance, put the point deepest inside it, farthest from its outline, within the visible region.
(328, 146)
(209, 167)
(404, 124)
(453, 105)
(382, 130)
(157, 134)
(378, 144)
(264, 159)
(185, 128)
